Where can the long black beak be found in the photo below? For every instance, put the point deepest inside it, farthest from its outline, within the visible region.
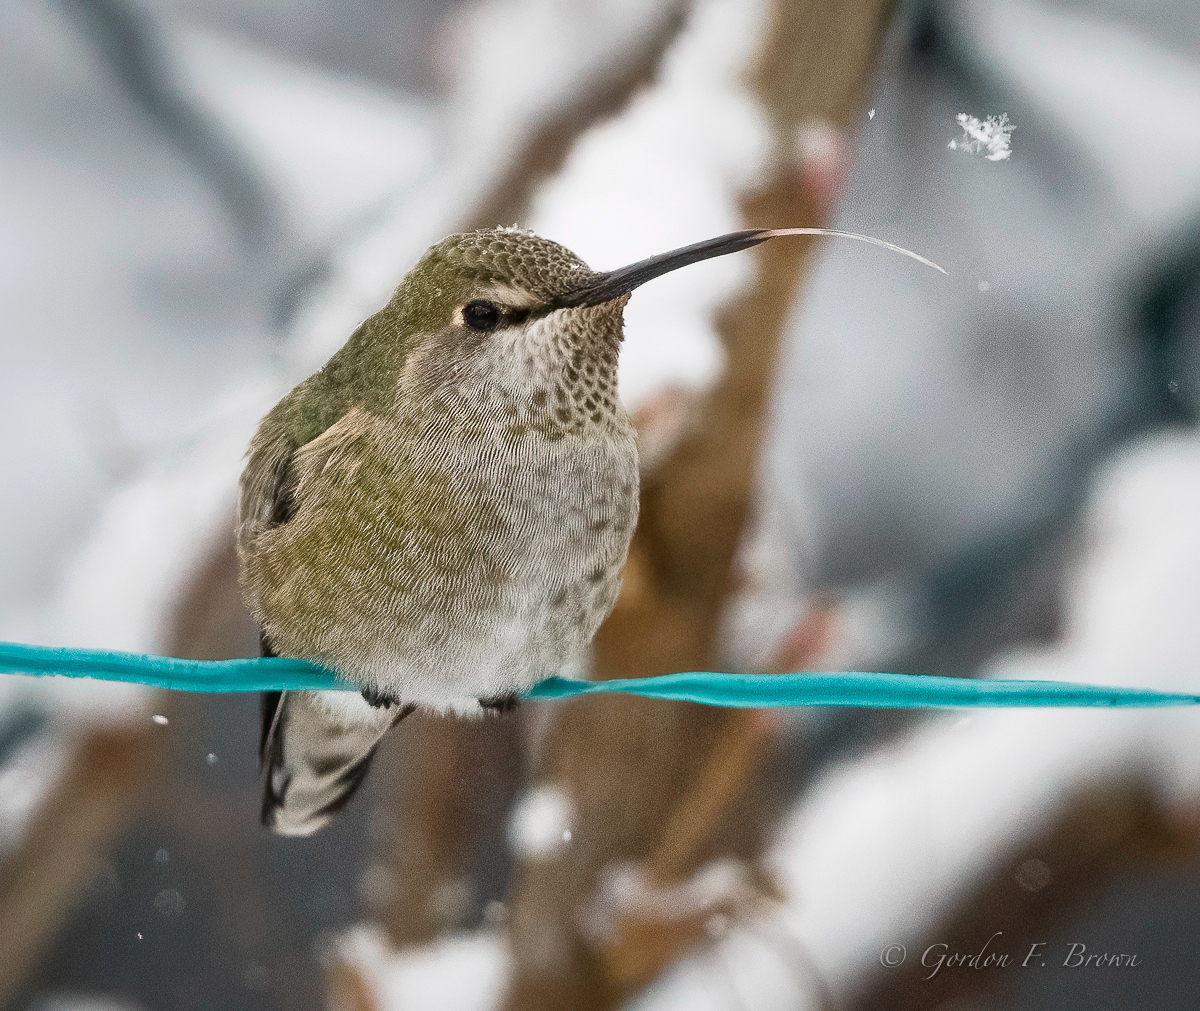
(604, 287)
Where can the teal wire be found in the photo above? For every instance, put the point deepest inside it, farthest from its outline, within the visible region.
(856, 688)
(852, 688)
(256, 675)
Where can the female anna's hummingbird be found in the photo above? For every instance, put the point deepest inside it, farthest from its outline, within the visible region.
(441, 513)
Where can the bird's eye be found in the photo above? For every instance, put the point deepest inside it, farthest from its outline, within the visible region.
(481, 315)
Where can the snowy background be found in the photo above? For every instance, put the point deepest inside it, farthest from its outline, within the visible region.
(993, 473)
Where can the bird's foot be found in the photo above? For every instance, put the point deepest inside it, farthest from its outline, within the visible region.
(502, 703)
(378, 699)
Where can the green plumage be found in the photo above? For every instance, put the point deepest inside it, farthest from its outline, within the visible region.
(441, 514)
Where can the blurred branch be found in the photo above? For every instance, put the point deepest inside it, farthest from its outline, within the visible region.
(640, 948)
(438, 822)
(727, 768)
(553, 138)
(648, 779)
(348, 991)
(458, 778)
(47, 876)
(128, 41)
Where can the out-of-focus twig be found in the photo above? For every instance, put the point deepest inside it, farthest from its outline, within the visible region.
(348, 991)
(44, 879)
(134, 50)
(551, 141)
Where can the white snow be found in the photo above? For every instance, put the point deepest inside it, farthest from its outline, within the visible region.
(332, 147)
(664, 174)
(464, 972)
(122, 589)
(625, 891)
(539, 825)
(759, 969)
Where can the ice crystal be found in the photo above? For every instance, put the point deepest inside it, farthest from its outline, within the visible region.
(991, 135)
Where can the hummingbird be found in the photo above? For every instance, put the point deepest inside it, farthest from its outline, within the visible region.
(440, 515)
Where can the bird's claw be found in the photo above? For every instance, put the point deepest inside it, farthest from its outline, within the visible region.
(502, 703)
(378, 699)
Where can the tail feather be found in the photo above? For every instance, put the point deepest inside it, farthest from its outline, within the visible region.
(269, 709)
(316, 756)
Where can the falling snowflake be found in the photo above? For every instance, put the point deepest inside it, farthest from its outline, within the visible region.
(991, 135)
(540, 823)
(169, 902)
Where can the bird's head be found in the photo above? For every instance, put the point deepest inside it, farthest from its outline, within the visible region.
(498, 279)
(506, 306)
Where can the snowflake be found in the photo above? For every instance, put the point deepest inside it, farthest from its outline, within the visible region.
(991, 134)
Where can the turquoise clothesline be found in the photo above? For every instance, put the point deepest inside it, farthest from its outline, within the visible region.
(852, 688)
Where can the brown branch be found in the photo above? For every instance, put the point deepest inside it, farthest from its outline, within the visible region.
(348, 991)
(452, 788)
(651, 781)
(552, 139)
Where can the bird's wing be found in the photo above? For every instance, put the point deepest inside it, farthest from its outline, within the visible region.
(267, 499)
(270, 479)
(278, 467)
(268, 484)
